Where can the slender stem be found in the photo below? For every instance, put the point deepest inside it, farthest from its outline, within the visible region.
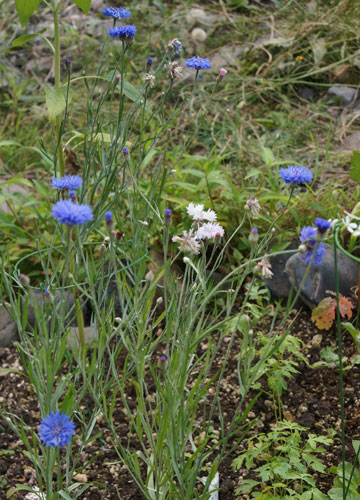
(341, 374)
(57, 86)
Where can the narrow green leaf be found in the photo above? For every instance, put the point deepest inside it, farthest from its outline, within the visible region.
(84, 5)
(133, 94)
(21, 40)
(25, 9)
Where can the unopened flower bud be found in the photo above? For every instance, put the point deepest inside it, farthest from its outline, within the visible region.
(118, 78)
(159, 301)
(223, 72)
(162, 361)
(125, 151)
(149, 61)
(48, 296)
(109, 219)
(168, 216)
(149, 276)
(186, 260)
(254, 236)
(24, 279)
(119, 235)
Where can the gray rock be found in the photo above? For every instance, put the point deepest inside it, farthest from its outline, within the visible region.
(8, 328)
(279, 285)
(322, 276)
(90, 335)
(62, 299)
(346, 95)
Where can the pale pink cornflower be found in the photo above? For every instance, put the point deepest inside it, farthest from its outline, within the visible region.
(253, 205)
(264, 268)
(198, 213)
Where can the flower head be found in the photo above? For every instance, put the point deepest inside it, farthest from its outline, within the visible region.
(149, 61)
(308, 237)
(264, 268)
(56, 429)
(150, 79)
(296, 174)
(351, 226)
(125, 151)
(116, 12)
(223, 72)
(72, 214)
(123, 32)
(188, 242)
(70, 182)
(168, 213)
(175, 45)
(322, 225)
(209, 230)
(253, 205)
(254, 235)
(198, 213)
(308, 255)
(198, 63)
(175, 71)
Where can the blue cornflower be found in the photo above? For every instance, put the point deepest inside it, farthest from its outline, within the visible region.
(72, 214)
(322, 225)
(56, 429)
(320, 252)
(125, 151)
(198, 63)
(307, 236)
(123, 32)
(296, 174)
(116, 12)
(149, 61)
(168, 213)
(175, 44)
(70, 182)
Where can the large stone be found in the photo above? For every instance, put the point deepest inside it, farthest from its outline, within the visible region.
(279, 285)
(346, 95)
(321, 277)
(62, 299)
(8, 328)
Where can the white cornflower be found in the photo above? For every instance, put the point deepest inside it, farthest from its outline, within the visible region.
(175, 71)
(351, 226)
(264, 268)
(150, 79)
(253, 205)
(209, 230)
(198, 213)
(188, 242)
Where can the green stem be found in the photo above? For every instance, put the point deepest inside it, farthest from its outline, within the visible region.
(341, 374)
(57, 86)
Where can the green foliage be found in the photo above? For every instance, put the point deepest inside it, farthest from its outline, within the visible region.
(25, 9)
(285, 460)
(56, 101)
(352, 479)
(84, 5)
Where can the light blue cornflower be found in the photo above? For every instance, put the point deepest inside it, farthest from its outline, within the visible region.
(56, 429)
(198, 63)
(71, 214)
(296, 174)
(70, 182)
(116, 12)
(123, 32)
(307, 236)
